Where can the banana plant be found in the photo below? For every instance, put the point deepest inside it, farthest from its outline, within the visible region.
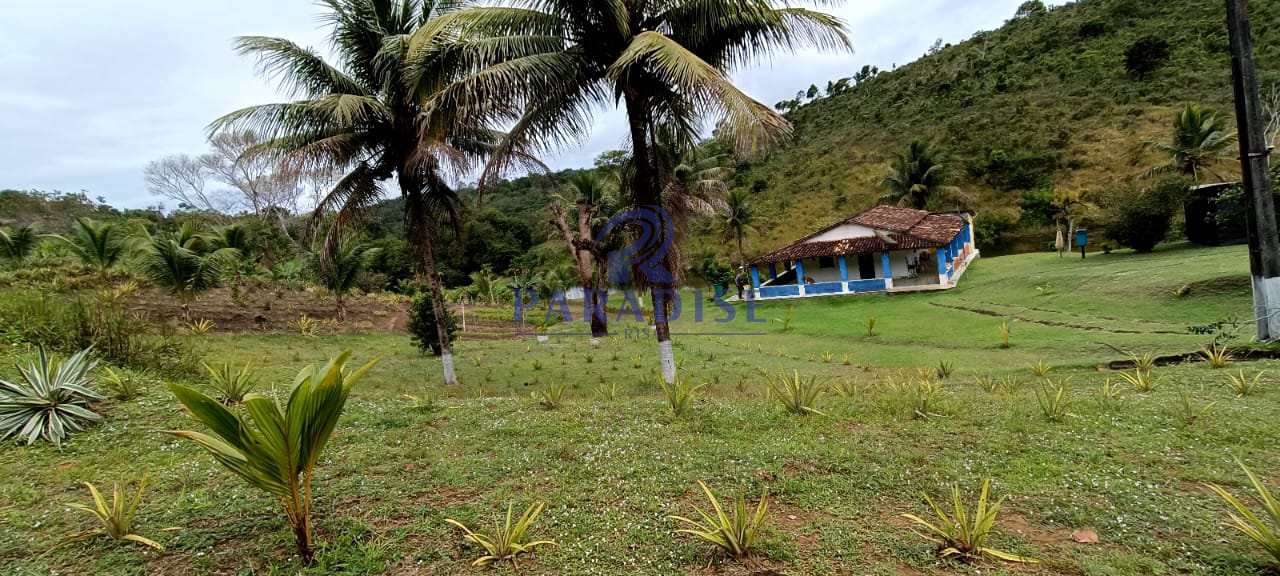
(279, 450)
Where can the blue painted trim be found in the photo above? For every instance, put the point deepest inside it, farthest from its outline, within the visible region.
(799, 272)
(780, 291)
(824, 288)
(942, 257)
(773, 270)
(869, 285)
(886, 269)
(755, 276)
(844, 268)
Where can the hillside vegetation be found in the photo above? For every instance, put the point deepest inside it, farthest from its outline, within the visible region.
(1045, 101)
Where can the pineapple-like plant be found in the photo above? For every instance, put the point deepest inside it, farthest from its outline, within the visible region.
(52, 401)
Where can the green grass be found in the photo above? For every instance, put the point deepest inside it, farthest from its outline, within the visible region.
(612, 471)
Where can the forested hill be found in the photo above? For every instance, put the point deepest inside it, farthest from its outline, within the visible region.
(1054, 98)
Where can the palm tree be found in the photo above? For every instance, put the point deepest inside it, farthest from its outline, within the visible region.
(98, 244)
(17, 244)
(919, 175)
(341, 269)
(665, 63)
(590, 198)
(178, 263)
(235, 237)
(1200, 139)
(737, 220)
(485, 285)
(374, 118)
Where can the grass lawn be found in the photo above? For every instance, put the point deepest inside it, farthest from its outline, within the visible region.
(612, 470)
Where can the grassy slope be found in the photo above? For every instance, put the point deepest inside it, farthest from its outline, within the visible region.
(1036, 86)
(612, 470)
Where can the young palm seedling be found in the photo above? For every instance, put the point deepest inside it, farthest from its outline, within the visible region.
(607, 391)
(1217, 356)
(1004, 334)
(734, 535)
(1041, 369)
(1053, 401)
(200, 327)
(426, 403)
(1244, 385)
(552, 396)
(679, 395)
(1144, 363)
(306, 326)
(846, 360)
(797, 395)
(278, 452)
(231, 385)
(120, 384)
(827, 357)
(1110, 392)
(963, 534)
(1261, 528)
(923, 398)
(1141, 380)
(116, 518)
(52, 401)
(508, 540)
(988, 383)
(944, 369)
(871, 326)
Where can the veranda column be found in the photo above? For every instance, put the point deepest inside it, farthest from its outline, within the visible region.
(886, 269)
(800, 275)
(942, 257)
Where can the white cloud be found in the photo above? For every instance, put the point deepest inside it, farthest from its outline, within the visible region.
(94, 90)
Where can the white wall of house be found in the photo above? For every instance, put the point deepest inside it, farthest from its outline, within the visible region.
(843, 231)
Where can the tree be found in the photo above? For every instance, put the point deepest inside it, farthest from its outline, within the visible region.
(1200, 139)
(379, 115)
(918, 176)
(1146, 55)
(738, 219)
(590, 198)
(98, 245)
(1271, 115)
(16, 244)
(1140, 219)
(812, 92)
(180, 263)
(185, 180)
(665, 63)
(1029, 9)
(1067, 207)
(340, 270)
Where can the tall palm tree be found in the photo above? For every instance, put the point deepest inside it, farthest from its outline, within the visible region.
(179, 263)
(737, 220)
(919, 175)
(1200, 139)
(340, 270)
(665, 63)
(98, 245)
(374, 118)
(17, 244)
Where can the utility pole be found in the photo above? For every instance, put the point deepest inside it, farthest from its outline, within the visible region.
(1264, 245)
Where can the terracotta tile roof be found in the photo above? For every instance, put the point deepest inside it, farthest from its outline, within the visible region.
(906, 228)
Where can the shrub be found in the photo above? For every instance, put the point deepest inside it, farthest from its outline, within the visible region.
(422, 324)
(679, 395)
(53, 400)
(797, 395)
(1255, 526)
(231, 385)
(508, 540)
(963, 534)
(734, 535)
(1146, 55)
(116, 519)
(279, 451)
(1140, 219)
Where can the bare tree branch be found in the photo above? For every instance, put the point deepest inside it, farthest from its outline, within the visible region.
(185, 180)
(1271, 113)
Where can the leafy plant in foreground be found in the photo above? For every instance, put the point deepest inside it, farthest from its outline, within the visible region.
(1053, 401)
(734, 535)
(1146, 362)
(279, 450)
(116, 518)
(1243, 385)
(1040, 369)
(962, 533)
(1217, 356)
(797, 395)
(507, 541)
(52, 401)
(552, 396)
(121, 384)
(231, 386)
(679, 395)
(1141, 380)
(1253, 525)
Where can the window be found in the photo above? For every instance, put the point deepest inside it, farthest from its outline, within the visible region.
(826, 262)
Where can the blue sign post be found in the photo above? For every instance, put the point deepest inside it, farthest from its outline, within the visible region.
(1082, 240)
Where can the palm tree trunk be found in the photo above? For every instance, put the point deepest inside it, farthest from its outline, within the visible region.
(438, 303)
(647, 193)
(742, 264)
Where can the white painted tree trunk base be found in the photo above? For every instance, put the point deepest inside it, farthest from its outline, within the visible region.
(1266, 307)
(668, 360)
(446, 359)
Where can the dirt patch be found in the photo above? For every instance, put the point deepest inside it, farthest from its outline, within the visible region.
(1237, 355)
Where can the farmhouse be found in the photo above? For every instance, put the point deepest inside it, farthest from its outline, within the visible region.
(884, 249)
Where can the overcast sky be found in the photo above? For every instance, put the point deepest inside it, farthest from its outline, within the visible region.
(91, 91)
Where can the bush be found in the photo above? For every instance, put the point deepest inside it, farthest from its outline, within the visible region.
(422, 324)
(1145, 56)
(990, 228)
(1141, 219)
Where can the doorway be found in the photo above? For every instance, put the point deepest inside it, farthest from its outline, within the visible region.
(866, 266)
